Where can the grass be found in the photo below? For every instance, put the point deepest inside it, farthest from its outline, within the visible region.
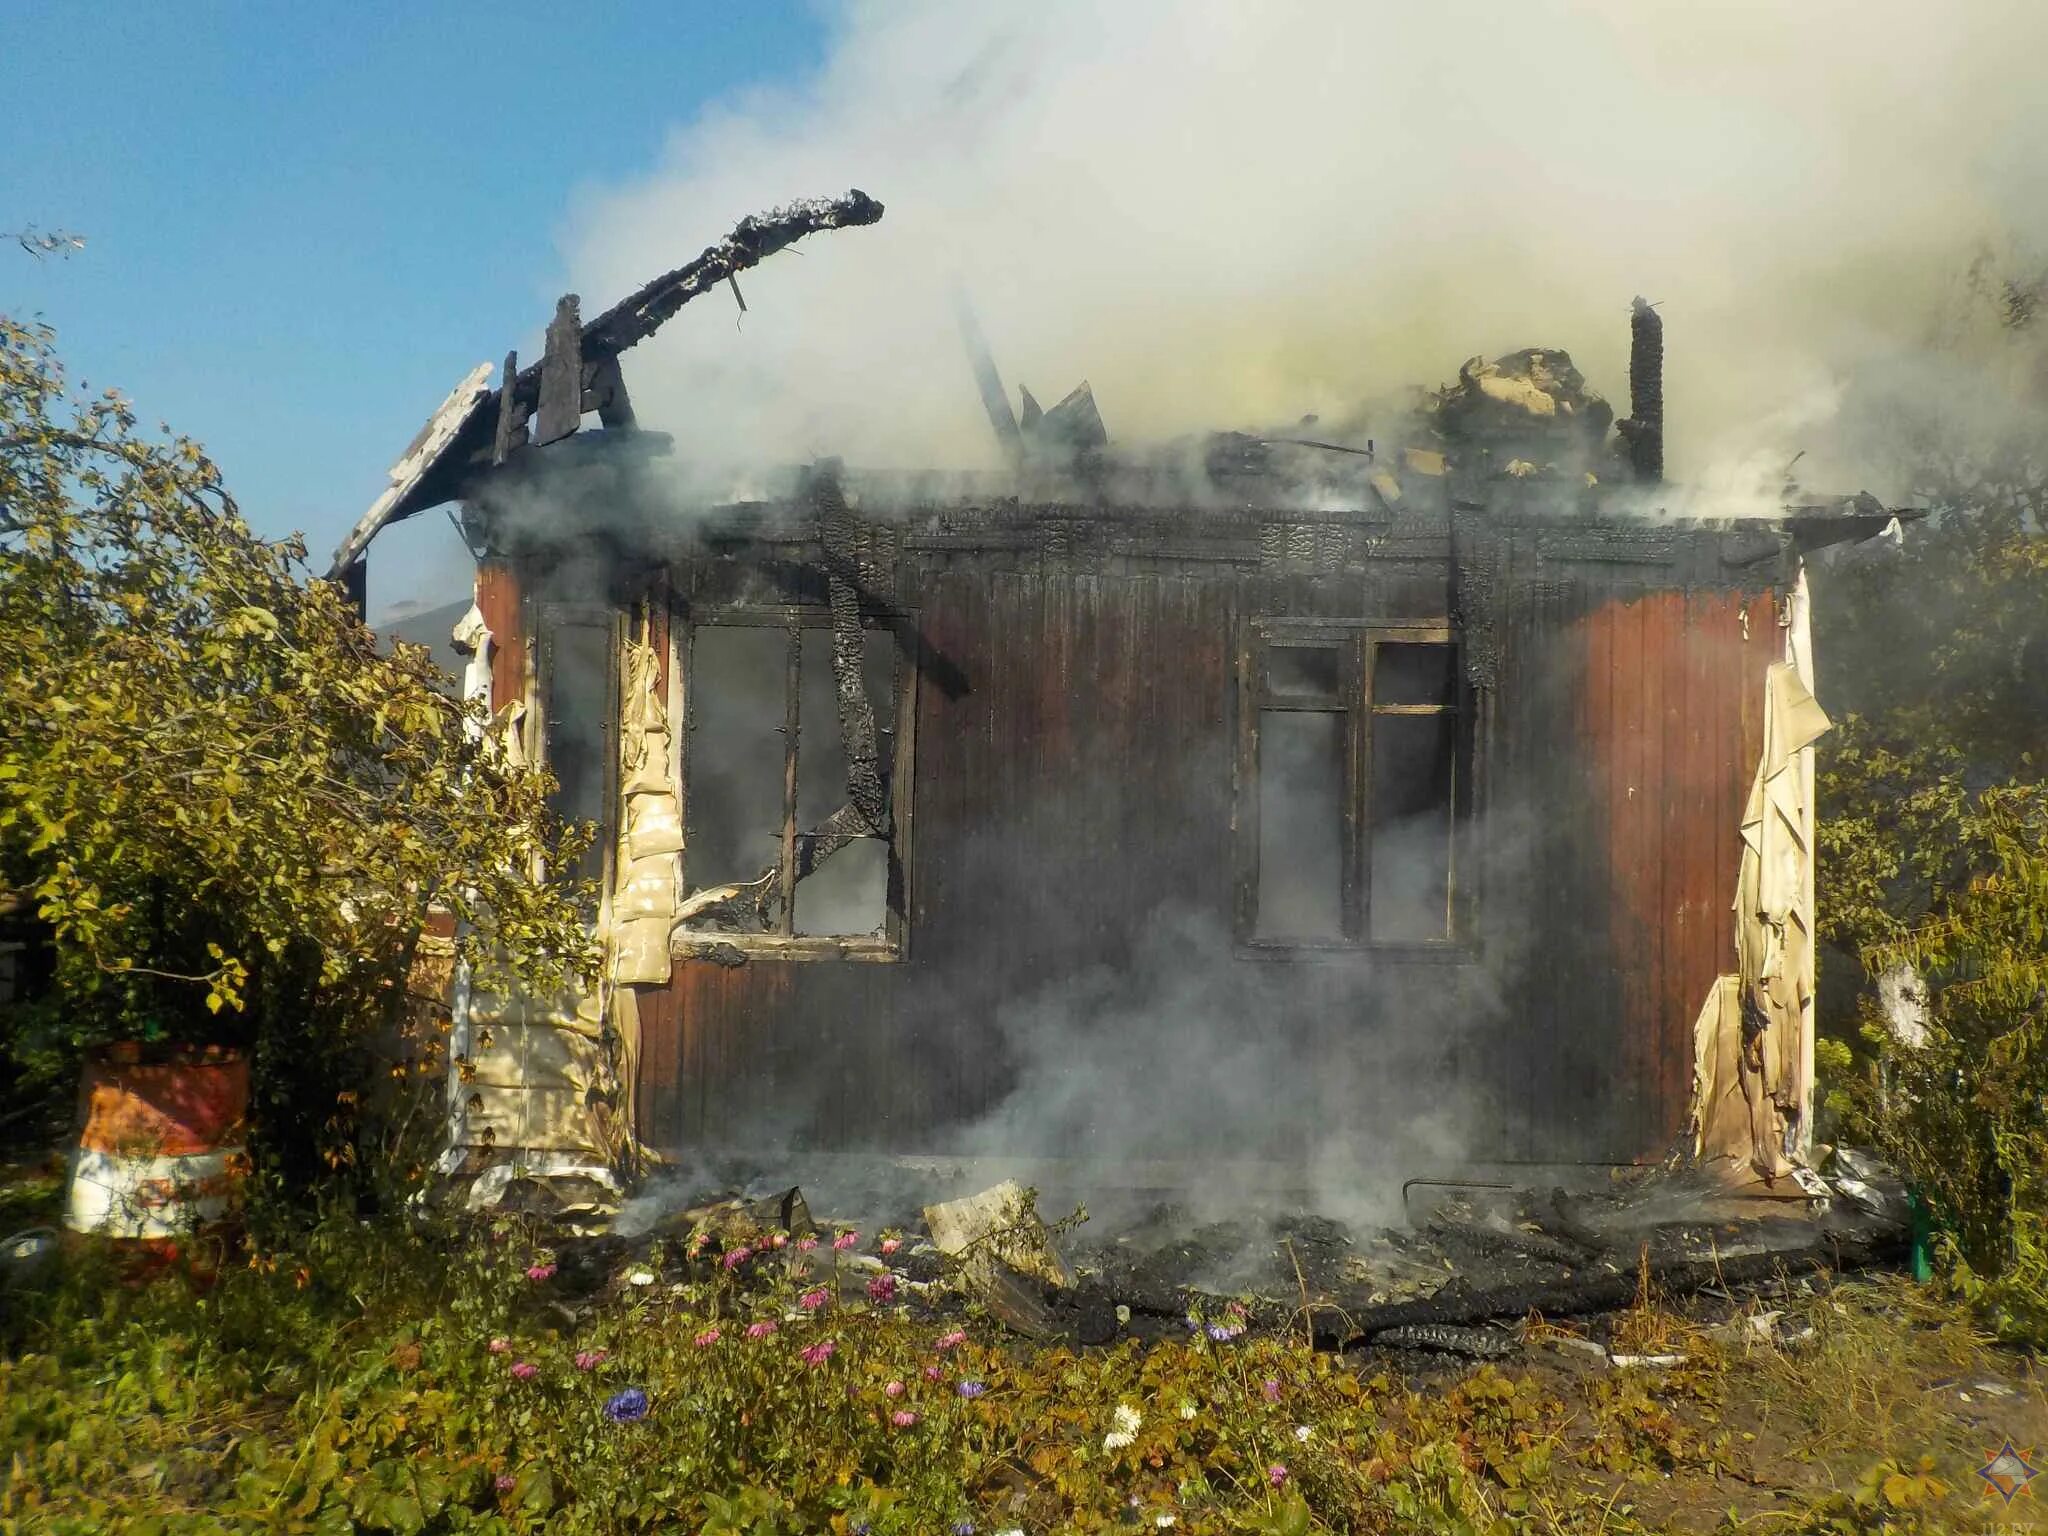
(384, 1379)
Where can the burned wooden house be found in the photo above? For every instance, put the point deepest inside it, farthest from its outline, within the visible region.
(1449, 772)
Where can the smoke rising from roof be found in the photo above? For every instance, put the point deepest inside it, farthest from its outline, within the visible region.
(1227, 215)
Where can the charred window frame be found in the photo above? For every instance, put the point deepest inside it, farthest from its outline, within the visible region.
(752, 676)
(1354, 768)
(576, 729)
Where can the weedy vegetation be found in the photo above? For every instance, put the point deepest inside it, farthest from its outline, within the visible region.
(423, 1379)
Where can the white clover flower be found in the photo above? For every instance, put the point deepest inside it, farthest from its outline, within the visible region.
(1164, 1521)
(640, 1277)
(1124, 1424)
(1302, 1432)
(1187, 1408)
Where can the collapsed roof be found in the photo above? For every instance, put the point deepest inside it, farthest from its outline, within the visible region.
(1528, 416)
(478, 428)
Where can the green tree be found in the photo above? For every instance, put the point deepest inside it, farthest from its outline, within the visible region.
(1934, 838)
(225, 809)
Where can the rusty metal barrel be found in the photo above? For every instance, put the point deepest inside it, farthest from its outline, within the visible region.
(161, 1167)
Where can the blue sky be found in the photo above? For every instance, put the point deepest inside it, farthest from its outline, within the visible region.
(305, 222)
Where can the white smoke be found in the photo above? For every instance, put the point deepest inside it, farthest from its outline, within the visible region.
(1224, 214)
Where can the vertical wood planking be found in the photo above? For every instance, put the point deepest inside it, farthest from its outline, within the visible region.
(1082, 782)
(497, 598)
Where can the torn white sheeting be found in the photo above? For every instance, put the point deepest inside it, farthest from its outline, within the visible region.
(473, 640)
(563, 1170)
(1903, 1004)
(1753, 1042)
(643, 906)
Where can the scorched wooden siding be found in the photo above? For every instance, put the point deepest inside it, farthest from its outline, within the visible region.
(1074, 781)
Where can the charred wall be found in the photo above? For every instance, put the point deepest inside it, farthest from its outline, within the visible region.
(1076, 783)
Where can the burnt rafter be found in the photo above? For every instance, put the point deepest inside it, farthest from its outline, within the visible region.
(836, 533)
(494, 422)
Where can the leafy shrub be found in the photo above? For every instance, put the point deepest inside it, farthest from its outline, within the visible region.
(225, 812)
(1934, 856)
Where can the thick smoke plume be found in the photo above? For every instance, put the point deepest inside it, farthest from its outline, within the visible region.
(1231, 215)
(1225, 215)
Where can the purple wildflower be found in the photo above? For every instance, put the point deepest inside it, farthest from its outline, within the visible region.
(735, 1257)
(845, 1240)
(540, 1272)
(500, 1345)
(590, 1359)
(951, 1340)
(505, 1482)
(760, 1330)
(1272, 1389)
(806, 1244)
(706, 1339)
(627, 1407)
(894, 1389)
(819, 1353)
(810, 1301)
(1276, 1474)
(971, 1388)
(524, 1370)
(882, 1289)
(903, 1418)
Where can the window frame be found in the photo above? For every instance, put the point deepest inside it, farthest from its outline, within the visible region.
(551, 618)
(906, 668)
(1356, 641)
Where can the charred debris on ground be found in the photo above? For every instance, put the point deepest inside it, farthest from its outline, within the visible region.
(1473, 1268)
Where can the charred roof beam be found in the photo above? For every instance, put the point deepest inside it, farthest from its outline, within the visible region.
(477, 428)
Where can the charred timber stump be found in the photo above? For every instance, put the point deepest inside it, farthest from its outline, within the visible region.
(1643, 432)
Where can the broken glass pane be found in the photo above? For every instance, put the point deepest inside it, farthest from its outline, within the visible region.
(1302, 671)
(577, 716)
(1301, 825)
(1406, 673)
(733, 797)
(1412, 766)
(847, 893)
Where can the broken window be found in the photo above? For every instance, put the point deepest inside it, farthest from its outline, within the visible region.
(578, 708)
(1352, 767)
(775, 843)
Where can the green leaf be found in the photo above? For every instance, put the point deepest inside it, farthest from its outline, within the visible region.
(533, 1490)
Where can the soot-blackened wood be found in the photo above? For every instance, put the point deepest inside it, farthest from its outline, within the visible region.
(604, 391)
(510, 430)
(623, 325)
(837, 530)
(1072, 793)
(756, 237)
(792, 738)
(1604, 1291)
(1644, 430)
(355, 586)
(561, 376)
(990, 383)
